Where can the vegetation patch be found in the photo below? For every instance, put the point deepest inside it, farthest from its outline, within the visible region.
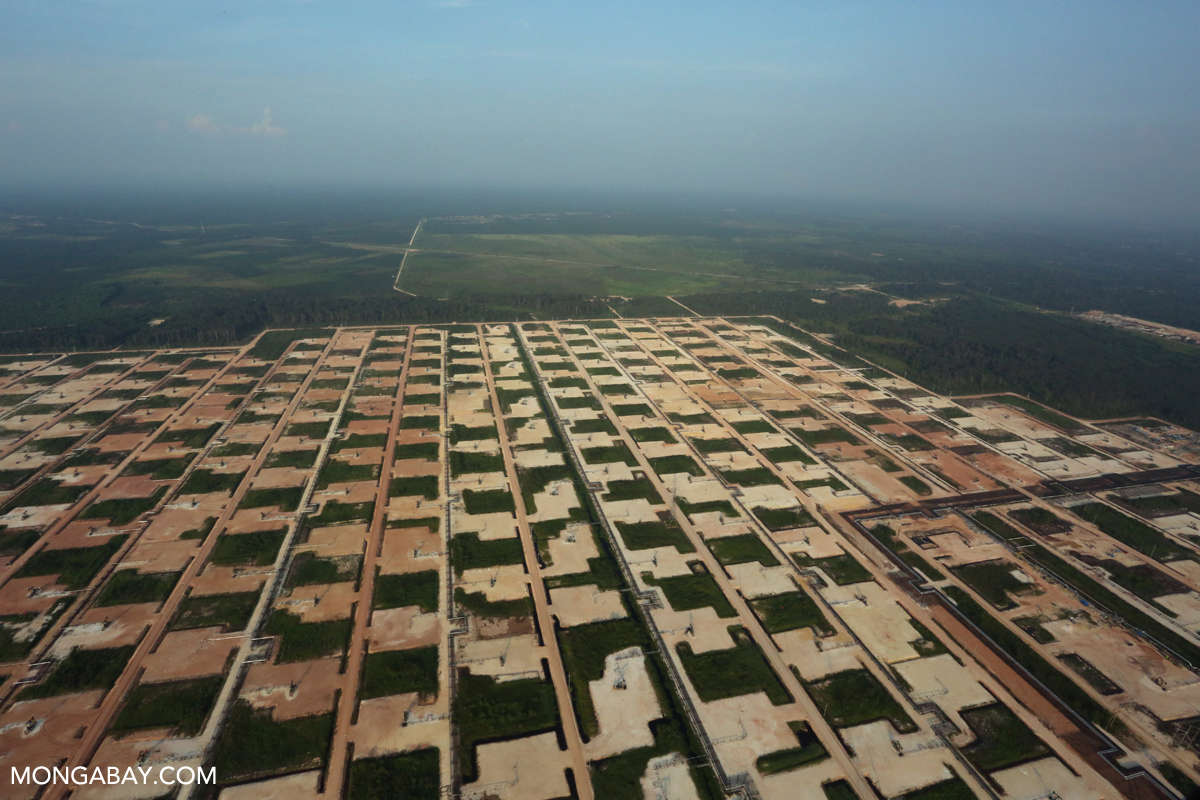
(1002, 739)
(47, 492)
(286, 499)
(231, 612)
(252, 744)
(419, 589)
(780, 519)
(950, 789)
(338, 471)
(497, 501)
(652, 434)
(803, 412)
(844, 569)
(1096, 592)
(53, 445)
(584, 649)
(597, 425)
(425, 486)
(906, 554)
(487, 711)
(17, 542)
(204, 481)
(433, 523)
(335, 513)
(311, 430)
(124, 510)
(919, 487)
(1088, 671)
(190, 438)
(534, 480)
(273, 344)
(994, 581)
(829, 481)
(181, 706)
(468, 551)
(702, 417)
(162, 469)
(418, 771)
(461, 433)
(830, 435)
(742, 549)
(585, 401)
(1180, 502)
(719, 445)
(400, 672)
(74, 566)
(1066, 689)
(659, 533)
(422, 399)
(707, 507)
(739, 373)
(742, 669)
(1138, 535)
(294, 459)
(636, 489)
(309, 569)
(82, 671)
(428, 451)
(688, 592)
(632, 410)
(855, 697)
(673, 465)
(758, 476)
(789, 611)
(478, 604)
(304, 641)
(127, 587)
(809, 751)
(612, 454)
(360, 441)
(786, 454)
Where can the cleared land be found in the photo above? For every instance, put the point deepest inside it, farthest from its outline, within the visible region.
(408, 558)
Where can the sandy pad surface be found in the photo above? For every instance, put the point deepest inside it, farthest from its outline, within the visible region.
(879, 622)
(570, 551)
(189, 654)
(799, 783)
(624, 714)
(517, 656)
(404, 628)
(579, 605)
(532, 768)
(923, 761)
(298, 786)
(1039, 778)
(667, 778)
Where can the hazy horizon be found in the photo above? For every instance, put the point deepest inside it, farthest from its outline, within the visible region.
(1061, 110)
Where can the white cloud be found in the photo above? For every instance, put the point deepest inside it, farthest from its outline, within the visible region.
(205, 124)
(265, 126)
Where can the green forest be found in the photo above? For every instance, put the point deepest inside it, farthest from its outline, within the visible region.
(991, 312)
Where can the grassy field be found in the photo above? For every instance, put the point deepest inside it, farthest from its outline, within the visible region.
(607, 264)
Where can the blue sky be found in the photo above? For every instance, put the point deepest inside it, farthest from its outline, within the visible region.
(1075, 108)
